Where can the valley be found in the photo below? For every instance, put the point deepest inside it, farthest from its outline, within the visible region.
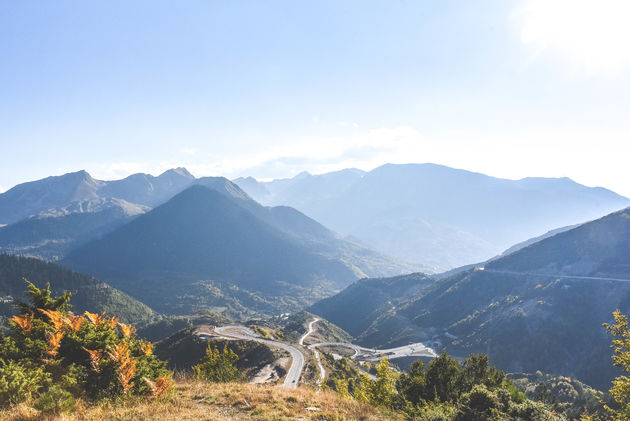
(210, 265)
(315, 210)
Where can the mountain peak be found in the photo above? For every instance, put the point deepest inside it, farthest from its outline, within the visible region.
(179, 171)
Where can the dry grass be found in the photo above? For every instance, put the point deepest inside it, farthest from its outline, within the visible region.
(193, 400)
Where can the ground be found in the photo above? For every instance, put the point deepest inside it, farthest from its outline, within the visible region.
(193, 400)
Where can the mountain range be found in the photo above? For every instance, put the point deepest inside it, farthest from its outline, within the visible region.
(181, 244)
(224, 249)
(79, 189)
(541, 307)
(433, 215)
(240, 250)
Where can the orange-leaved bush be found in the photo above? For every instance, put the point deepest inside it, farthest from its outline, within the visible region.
(92, 355)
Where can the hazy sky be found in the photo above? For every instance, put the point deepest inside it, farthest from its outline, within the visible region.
(271, 88)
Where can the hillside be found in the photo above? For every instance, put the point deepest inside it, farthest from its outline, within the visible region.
(205, 249)
(434, 215)
(52, 234)
(58, 214)
(145, 189)
(363, 302)
(540, 308)
(52, 192)
(226, 401)
(87, 293)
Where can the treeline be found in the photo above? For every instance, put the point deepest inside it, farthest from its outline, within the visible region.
(88, 293)
(446, 390)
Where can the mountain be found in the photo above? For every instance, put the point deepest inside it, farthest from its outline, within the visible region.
(539, 308)
(220, 249)
(145, 189)
(88, 293)
(303, 190)
(438, 216)
(57, 214)
(255, 189)
(50, 235)
(523, 244)
(366, 300)
(47, 218)
(52, 192)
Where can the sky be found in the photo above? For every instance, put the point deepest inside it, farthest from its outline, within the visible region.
(509, 88)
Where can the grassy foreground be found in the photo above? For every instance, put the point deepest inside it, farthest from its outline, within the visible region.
(195, 400)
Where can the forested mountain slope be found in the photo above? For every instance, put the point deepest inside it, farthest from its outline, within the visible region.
(88, 293)
(540, 308)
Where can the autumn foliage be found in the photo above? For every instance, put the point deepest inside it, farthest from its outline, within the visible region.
(93, 356)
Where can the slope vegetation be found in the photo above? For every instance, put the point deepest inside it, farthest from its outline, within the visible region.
(87, 293)
(540, 308)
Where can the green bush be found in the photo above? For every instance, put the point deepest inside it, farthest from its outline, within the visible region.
(479, 404)
(55, 401)
(19, 383)
(435, 411)
(53, 355)
(218, 366)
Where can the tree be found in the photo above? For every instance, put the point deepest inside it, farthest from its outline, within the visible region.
(620, 390)
(218, 366)
(42, 299)
(476, 370)
(441, 379)
(383, 390)
(412, 385)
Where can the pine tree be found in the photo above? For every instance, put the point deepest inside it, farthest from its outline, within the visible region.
(218, 366)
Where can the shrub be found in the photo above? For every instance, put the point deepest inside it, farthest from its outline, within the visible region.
(90, 355)
(218, 366)
(19, 383)
(55, 401)
(479, 404)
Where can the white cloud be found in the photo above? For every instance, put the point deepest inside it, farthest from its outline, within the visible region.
(360, 148)
(3, 189)
(592, 34)
(589, 156)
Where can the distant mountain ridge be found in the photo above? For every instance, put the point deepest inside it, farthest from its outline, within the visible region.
(55, 192)
(52, 234)
(434, 215)
(539, 308)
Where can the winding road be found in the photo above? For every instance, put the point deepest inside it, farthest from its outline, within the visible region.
(368, 354)
(322, 370)
(292, 378)
(297, 358)
(371, 354)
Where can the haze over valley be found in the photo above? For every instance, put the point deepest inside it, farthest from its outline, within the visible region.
(316, 211)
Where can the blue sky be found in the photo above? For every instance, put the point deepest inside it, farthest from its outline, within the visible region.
(507, 88)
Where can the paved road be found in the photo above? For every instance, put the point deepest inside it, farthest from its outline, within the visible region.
(322, 370)
(311, 329)
(297, 364)
(297, 358)
(591, 278)
(371, 354)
